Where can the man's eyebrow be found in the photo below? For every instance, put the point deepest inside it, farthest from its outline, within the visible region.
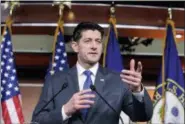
(87, 38)
(98, 39)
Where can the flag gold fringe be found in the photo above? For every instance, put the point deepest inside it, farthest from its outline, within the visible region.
(9, 22)
(112, 20)
(168, 22)
(59, 26)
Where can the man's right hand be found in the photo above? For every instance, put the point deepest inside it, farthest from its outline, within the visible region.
(80, 100)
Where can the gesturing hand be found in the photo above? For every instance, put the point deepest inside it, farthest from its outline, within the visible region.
(133, 77)
(80, 100)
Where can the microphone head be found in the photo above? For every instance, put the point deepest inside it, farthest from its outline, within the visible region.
(64, 85)
(92, 87)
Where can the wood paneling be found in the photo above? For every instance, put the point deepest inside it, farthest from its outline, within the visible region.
(31, 59)
(36, 65)
(124, 15)
(125, 32)
(30, 97)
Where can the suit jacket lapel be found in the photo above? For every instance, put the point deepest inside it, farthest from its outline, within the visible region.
(99, 84)
(73, 79)
(74, 87)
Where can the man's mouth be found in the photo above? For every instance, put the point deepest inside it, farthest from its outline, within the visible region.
(93, 53)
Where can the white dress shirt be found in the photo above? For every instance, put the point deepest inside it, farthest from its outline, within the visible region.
(82, 77)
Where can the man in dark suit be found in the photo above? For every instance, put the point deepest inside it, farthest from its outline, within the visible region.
(77, 104)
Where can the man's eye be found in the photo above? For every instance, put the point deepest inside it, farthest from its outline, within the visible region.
(86, 41)
(99, 41)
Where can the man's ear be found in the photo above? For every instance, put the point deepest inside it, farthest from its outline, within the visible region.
(74, 46)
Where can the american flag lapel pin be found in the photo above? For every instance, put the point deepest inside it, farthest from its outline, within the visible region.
(102, 80)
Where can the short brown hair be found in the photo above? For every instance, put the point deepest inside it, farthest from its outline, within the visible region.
(86, 26)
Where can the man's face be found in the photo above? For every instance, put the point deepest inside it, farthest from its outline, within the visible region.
(89, 47)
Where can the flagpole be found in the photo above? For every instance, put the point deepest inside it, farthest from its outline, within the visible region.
(59, 27)
(55, 38)
(8, 24)
(16, 116)
(112, 20)
(169, 19)
(0, 85)
(0, 63)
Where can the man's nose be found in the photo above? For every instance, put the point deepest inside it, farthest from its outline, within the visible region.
(94, 45)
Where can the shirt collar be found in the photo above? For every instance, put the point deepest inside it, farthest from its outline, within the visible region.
(81, 69)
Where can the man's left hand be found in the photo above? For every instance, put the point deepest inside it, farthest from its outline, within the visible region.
(133, 77)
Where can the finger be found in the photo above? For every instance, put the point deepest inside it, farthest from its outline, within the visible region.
(131, 83)
(85, 101)
(84, 91)
(86, 96)
(128, 72)
(82, 106)
(132, 65)
(133, 79)
(139, 67)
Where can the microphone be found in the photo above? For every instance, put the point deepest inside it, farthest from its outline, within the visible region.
(94, 89)
(64, 86)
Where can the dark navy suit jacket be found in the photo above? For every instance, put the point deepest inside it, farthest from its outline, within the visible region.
(108, 84)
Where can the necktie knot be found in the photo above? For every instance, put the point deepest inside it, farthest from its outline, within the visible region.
(87, 73)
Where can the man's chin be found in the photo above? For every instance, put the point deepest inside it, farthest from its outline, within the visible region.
(92, 62)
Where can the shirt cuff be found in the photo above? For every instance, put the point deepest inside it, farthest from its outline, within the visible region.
(64, 116)
(139, 95)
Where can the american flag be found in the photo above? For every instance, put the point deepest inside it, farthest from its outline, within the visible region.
(59, 62)
(10, 93)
